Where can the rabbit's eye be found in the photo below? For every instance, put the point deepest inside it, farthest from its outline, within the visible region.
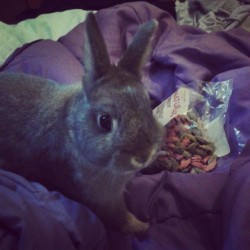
(105, 122)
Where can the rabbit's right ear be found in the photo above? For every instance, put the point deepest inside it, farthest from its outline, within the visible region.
(140, 49)
(96, 59)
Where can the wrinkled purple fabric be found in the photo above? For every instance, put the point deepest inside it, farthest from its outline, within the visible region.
(31, 217)
(201, 212)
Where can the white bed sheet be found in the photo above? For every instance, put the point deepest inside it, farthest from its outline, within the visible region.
(47, 26)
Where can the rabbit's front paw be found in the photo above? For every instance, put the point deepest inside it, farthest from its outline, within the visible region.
(134, 225)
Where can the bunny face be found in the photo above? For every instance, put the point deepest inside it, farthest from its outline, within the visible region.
(118, 129)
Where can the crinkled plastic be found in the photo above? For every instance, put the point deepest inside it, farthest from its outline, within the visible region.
(214, 99)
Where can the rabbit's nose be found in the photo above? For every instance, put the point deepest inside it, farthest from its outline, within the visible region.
(145, 159)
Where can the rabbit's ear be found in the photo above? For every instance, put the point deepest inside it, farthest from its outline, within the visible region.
(96, 58)
(139, 50)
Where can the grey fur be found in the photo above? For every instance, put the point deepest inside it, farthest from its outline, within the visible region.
(49, 132)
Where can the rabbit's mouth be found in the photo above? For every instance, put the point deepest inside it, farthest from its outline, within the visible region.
(139, 162)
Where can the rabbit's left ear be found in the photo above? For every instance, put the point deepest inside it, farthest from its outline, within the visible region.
(96, 59)
(139, 50)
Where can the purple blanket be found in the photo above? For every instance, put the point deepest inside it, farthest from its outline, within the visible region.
(205, 211)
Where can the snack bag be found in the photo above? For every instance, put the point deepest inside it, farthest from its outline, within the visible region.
(194, 118)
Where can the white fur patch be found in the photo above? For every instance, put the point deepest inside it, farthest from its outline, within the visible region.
(137, 164)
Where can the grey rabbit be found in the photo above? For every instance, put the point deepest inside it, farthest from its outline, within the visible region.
(85, 140)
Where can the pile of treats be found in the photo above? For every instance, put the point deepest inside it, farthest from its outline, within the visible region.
(185, 148)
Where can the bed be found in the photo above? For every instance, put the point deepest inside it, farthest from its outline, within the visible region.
(186, 211)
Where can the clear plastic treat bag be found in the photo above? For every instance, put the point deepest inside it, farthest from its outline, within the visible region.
(194, 118)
